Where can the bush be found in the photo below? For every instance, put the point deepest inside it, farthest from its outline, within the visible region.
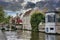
(14, 28)
(36, 18)
(3, 29)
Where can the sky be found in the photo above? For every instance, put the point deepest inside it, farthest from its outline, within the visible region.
(34, 1)
(11, 13)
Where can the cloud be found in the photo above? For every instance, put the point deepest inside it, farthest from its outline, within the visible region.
(11, 13)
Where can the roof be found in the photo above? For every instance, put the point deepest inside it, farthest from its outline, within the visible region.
(27, 13)
(52, 12)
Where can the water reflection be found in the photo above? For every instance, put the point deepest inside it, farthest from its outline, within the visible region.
(34, 36)
(28, 35)
(11, 35)
(50, 37)
(24, 35)
(20, 35)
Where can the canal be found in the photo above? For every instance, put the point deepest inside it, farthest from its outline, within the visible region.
(28, 35)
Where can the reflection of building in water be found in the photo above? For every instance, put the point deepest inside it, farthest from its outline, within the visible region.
(50, 37)
(24, 35)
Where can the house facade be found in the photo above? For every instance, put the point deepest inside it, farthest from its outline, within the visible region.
(26, 20)
(27, 17)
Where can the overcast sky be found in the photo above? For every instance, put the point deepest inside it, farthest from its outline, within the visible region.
(34, 1)
(14, 13)
(24, 0)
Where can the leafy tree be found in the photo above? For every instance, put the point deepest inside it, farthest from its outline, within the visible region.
(36, 18)
(3, 17)
(59, 15)
(6, 20)
(1, 14)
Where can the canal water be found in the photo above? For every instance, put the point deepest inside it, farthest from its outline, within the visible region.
(28, 35)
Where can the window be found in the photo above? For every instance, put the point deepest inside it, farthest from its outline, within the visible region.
(47, 29)
(51, 18)
(51, 28)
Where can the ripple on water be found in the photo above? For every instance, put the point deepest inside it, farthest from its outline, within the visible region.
(14, 35)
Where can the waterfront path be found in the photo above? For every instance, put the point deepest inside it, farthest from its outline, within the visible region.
(2, 37)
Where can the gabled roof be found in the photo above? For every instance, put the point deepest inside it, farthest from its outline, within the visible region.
(27, 13)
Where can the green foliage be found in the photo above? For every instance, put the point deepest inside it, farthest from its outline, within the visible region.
(3, 29)
(58, 12)
(58, 15)
(1, 15)
(36, 18)
(6, 20)
(3, 18)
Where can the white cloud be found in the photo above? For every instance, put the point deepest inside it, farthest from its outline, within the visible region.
(11, 13)
(8, 0)
(34, 1)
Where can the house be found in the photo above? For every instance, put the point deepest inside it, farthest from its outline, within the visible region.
(16, 21)
(26, 20)
(27, 17)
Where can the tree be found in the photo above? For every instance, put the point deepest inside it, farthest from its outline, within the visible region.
(36, 18)
(1, 14)
(6, 20)
(58, 13)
